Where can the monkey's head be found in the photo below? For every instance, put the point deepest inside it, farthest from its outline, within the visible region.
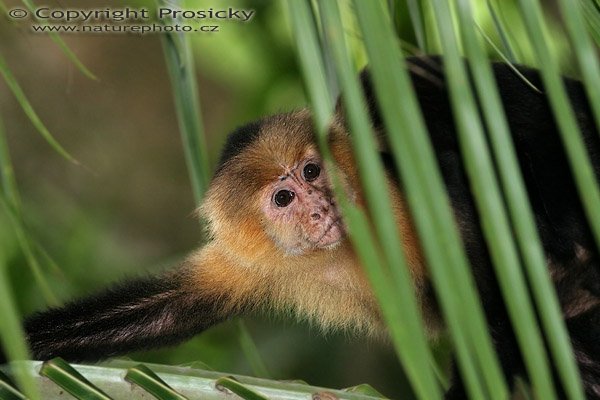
(272, 188)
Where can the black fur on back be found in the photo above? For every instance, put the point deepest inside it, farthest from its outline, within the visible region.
(565, 233)
(538, 144)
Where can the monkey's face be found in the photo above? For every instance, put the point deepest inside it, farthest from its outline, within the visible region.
(300, 211)
(272, 193)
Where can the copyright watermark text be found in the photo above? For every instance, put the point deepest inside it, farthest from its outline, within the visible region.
(129, 20)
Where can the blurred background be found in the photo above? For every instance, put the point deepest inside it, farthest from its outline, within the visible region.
(129, 209)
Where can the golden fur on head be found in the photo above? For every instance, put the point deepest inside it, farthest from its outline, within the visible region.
(326, 286)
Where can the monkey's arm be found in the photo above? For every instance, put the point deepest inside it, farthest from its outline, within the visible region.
(135, 315)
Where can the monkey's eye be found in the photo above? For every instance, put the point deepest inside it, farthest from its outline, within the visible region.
(311, 172)
(283, 198)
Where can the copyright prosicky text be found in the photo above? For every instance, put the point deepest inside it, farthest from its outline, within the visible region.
(50, 15)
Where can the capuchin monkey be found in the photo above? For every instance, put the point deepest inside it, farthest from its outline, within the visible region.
(278, 241)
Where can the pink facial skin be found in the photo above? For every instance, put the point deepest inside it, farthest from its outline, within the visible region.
(300, 211)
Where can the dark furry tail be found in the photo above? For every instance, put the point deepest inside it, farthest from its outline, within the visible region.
(137, 315)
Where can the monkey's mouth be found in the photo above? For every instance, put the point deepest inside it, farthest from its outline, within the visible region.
(333, 234)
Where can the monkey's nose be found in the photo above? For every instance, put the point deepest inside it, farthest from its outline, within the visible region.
(315, 216)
